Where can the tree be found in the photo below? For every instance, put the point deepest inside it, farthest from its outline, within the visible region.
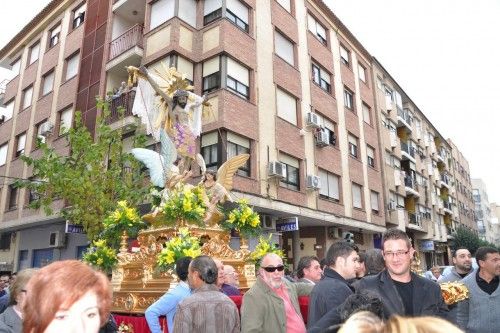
(91, 178)
(464, 237)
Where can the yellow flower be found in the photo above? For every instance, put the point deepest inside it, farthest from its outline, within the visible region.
(122, 203)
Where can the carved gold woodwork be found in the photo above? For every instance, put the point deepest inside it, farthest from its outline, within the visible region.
(136, 283)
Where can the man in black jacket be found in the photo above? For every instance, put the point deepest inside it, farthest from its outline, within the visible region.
(401, 291)
(341, 265)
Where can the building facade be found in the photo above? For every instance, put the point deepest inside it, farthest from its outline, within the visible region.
(482, 210)
(334, 141)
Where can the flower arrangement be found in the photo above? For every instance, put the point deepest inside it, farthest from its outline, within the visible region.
(454, 292)
(124, 218)
(264, 247)
(183, 245)
(101, 256)
(185, 203)
(125, 328)
(243, 219)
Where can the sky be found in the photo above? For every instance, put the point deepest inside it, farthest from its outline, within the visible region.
(443, 53)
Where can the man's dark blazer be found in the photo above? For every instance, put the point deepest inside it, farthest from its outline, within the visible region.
(427, 298)
(327, 294)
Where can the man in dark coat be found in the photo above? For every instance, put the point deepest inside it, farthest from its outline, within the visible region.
(401, 291)
(329, 293)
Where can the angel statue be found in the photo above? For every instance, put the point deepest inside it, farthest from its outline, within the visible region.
(163, 171)
(179, 111)
(217, 187)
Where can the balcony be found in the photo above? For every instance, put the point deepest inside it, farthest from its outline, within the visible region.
(414, 219)
(126, 41)
(411, 186)
(404, 118)
(448, 208)
(123, 102)
(445, 181)
(407, 151)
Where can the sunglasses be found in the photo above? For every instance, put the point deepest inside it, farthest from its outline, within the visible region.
(272, 269)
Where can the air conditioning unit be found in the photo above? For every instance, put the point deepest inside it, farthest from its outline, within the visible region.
(2, 119)
(391, 205)
(56, 239)
(277, 169)
(46, 129)
(348, 236)
(322, 138)
(313, 120)
(313, 182)
(334, 232)
(267, 223)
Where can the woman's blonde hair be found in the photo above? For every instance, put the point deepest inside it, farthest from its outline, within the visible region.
(20, 283)
(397, 324)
(362, 322)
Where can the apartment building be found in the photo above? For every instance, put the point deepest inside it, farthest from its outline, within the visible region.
(463, 189)
(495, 222)
(417, 176)
(39, 104)
(482, 210)
(335, 143)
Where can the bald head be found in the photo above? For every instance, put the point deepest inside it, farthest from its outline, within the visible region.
(270, 258)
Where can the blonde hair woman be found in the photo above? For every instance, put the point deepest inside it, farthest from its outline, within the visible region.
(399, 324)
(362, 322)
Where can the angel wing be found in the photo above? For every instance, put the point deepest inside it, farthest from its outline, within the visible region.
(226, 172)
(153, 161)
(168, 150)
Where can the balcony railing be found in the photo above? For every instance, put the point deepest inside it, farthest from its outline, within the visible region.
(407, 149)
(410, 182)
(130, 38)
(125, 101)
(447, 205)
(445, 179)
(414, 219)
(405, 115)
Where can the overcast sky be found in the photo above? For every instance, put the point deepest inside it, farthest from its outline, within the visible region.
(443, 53)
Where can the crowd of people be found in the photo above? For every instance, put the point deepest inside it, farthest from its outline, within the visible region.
(348, 291)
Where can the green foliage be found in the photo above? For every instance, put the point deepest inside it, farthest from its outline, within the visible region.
(183, 245)
(101, 256)
(91, 178)
(123, 218)
(243, 219)
(184, 203)
(464, 237)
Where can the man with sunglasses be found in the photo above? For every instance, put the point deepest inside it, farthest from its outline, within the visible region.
(272, 305)
(402, 292)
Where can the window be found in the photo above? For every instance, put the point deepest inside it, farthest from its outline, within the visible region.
(380, 85)
(238, 78)
(40, 137)
(329, 128)
(329, 187)
(357, 201)
(8, 111)
(285, 4)
(54, 35)
(286, 106)
(3, 153)
(20, 144)
(16, 66)
(79, 15)
(316, 29)
(187, 11)
(34, 53)
(27, 97)
(348, 99)
(344, 55)
(65, 121)
(5, 239)
(374, 202)
(284, 48)
(48, 83)
(239, 145)
(209, 150)
(353, 145)
(366, 113)
(236, 12)
(362, 73)
(161, 11)
(292, 172)
(182, 65)
(72, 66)
(12, 202)
(33, 194)
(211, 75)
(321, 77)
(370, 153)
